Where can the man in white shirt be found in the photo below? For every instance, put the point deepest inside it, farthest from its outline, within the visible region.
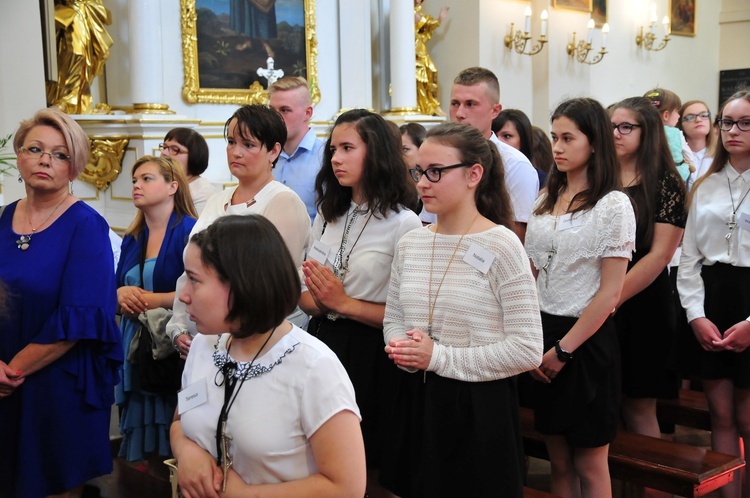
(475, 101)
(301, 157)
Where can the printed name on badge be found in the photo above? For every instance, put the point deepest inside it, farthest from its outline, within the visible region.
(193, 395)
(319, 252)
(744, 221)
(479, 257)
(566, 222)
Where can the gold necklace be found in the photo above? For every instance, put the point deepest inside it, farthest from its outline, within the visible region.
(24, 241)
(431, 306)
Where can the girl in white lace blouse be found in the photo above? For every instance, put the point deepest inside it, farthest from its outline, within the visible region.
(463, 317)
(579, 239)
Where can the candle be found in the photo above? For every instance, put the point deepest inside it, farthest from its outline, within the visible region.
(605, 30)
(590, 25)
(665, 22)
(545, 15)
(527, 25)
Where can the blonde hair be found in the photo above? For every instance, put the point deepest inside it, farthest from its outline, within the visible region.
(288, 83)
(75, 138)
(172, 171)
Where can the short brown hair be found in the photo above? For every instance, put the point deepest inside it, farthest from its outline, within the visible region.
(248, 254)
(76, 139)
(475, 75)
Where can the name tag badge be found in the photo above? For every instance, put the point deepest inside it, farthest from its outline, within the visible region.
(567, 222)
(193, 395)
(479, 257)
(319, 252)
(744, 221)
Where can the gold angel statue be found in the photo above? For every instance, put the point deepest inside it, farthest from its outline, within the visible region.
(427, 80)
(82, 49)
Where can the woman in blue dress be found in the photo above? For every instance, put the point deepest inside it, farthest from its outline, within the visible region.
(59, 343)
(156, 239)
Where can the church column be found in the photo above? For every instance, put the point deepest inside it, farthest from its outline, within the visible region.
(356, 54)
(145, 53)
(402, 58)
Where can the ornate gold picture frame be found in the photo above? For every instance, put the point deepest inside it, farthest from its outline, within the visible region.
(206, 77)
(682, 16)
(582, 5)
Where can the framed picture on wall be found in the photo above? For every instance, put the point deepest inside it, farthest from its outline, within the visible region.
(682, 17)
(583, 5)
(599, 12)
(229, 48)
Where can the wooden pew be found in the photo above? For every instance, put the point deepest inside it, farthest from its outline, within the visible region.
(655, 463)
(689, 409)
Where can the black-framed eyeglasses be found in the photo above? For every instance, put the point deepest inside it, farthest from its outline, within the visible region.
(689, 118)
(37, 153)
(173, 149)
(727, 124)
(625, 128)
(433, 174)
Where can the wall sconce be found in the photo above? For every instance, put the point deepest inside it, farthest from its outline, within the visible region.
(518, 39)
(581, 51)
(646, 40)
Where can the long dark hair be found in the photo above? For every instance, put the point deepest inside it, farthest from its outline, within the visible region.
(523, 128)
(491, 196)
(721, 157)
(603, 171)
(653, 161)
(384, 182)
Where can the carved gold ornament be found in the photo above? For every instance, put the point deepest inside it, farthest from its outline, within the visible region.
(255, 94)
(105, 162)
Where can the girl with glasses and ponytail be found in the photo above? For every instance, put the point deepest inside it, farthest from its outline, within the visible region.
(462, 317)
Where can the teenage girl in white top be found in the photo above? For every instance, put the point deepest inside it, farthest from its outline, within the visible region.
(714, 283)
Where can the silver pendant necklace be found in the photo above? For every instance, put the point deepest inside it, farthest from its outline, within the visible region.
(24, 241)
(732, 223)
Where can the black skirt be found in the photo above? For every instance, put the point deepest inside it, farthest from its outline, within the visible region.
(583, 401)
(727, 302)
(646, 331)
(454, 438)
(361, 349)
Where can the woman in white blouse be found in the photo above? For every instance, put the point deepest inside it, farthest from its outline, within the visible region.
(361, 191)
(579, 239)
(714, 283)
(462, 316)
(698, 129)
(266, 410)
(255, 135)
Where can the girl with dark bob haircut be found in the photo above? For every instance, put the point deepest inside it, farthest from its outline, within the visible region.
(249, 255)
(362, 193)
(197, 148)
(258, 122)
(280, 416)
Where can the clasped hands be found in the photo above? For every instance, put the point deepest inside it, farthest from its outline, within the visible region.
(325, 288)
(133, 300)
(10, 379)
(413, 352)
(735, 339)
(549, 368)
(200, 477)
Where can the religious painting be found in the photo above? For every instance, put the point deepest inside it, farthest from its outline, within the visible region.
(682, 17)
(599, 12)
(583, 5)
(233, 49)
